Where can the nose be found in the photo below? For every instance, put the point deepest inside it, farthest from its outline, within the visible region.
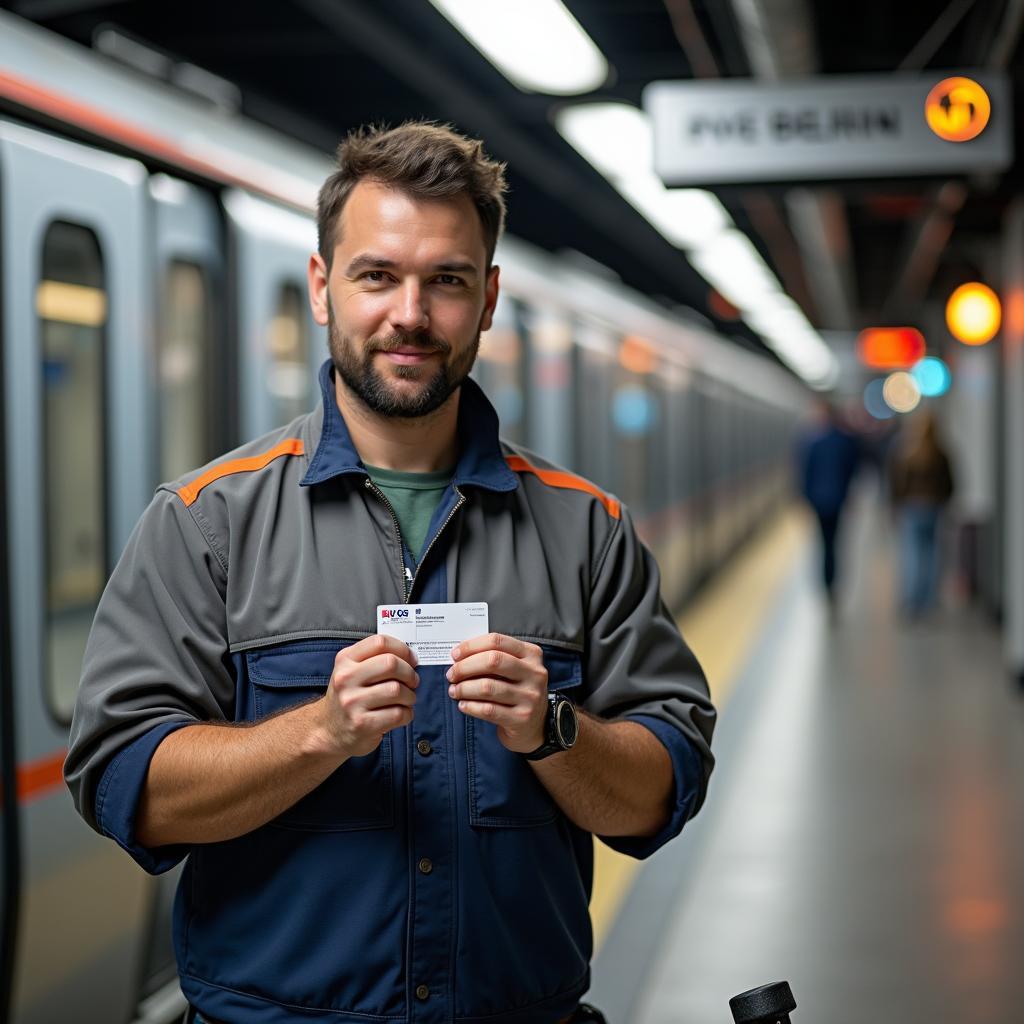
(409, 311)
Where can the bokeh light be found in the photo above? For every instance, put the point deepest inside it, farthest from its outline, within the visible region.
(633, 411)
(874, 401)
(973, 313)
(932, 377)
(901, 392)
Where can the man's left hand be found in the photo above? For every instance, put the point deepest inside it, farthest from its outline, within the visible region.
(499, 679)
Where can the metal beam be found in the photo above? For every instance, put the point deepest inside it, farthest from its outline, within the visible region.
(40, 10)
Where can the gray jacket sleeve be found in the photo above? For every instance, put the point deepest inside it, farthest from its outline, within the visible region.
(637, 666)
(156, 659)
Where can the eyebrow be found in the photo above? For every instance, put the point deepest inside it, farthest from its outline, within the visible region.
(366, 261)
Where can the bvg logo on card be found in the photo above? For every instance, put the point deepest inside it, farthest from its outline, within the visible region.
(394, 613)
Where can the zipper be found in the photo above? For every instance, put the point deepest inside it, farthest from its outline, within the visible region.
(403, 570)
(423, 558)
(409, 579)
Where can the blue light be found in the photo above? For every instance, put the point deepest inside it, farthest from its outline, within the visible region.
(874, 400)
(633, 411)
(932, 376)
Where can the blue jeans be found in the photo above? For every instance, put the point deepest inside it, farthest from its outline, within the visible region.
(919, 560)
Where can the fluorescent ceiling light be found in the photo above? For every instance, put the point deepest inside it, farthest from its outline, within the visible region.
(614, 137)
(687, 217)
(734, 266)
(536, 44)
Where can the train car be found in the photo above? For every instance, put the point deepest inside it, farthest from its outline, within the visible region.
(153, 314)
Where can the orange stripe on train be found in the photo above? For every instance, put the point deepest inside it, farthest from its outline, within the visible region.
(189, 493)
(35, 779)
(555, 478)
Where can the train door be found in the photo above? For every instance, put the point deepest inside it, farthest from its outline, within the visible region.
(75, 291)
(192, 421)
(9, 857)
(269, 247)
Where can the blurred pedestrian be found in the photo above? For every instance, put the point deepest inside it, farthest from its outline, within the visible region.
(828, 457)
(921, 484)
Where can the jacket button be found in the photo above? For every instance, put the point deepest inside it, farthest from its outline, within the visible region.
(424, 747)
(422, 992)
(426, 866)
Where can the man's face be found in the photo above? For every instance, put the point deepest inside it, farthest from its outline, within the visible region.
(407, 297)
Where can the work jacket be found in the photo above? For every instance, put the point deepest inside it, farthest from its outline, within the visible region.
(433, 879)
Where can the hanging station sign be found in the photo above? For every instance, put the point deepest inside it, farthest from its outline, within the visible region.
(830, 128)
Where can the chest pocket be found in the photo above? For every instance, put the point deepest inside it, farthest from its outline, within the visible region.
(503, 790)
(360, 794)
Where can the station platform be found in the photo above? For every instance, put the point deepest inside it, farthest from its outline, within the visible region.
(863, 836)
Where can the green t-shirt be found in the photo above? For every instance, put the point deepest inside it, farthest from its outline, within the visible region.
(414, 497)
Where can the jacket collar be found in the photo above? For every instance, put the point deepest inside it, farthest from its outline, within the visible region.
(481, 462)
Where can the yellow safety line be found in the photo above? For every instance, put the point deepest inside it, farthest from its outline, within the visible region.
(721, 627)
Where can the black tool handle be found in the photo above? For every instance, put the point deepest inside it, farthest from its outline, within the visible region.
(769, 1004)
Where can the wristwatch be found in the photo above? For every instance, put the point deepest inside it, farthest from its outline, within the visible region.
(561, 727)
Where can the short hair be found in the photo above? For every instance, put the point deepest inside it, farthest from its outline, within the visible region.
(425, 160)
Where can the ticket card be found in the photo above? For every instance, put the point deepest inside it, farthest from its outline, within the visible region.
(432, 630)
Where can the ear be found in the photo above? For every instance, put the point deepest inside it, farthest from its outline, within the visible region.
(490, 297)
(316, 274)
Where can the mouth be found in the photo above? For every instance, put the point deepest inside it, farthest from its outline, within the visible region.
(409, 356)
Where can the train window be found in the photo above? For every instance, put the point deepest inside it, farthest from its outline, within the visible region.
(635, 416)
(500, 370)
(288, 376)
(184, 371)
(71, 303)
(550, 412)
(593, 371)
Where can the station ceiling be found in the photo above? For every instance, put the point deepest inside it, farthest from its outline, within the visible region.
(316, 68)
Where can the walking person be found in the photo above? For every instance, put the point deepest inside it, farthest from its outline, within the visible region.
(369, 836)
(920, 487)
(828, 456)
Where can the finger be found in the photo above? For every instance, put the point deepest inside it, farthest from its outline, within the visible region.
(494, 664)
(381, 668)
(377, 644)
(385, 719)
(495, 691)
(487, 711)
(382, 695)
(494, 642)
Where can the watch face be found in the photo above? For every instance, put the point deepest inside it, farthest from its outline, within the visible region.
(565, 724)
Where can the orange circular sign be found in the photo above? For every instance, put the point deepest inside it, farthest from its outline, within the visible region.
(957, 109)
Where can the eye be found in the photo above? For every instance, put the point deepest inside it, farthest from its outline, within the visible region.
(449, 279)
(373, 276)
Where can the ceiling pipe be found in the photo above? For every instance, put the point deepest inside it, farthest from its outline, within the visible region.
(759, 207)
(779, 45)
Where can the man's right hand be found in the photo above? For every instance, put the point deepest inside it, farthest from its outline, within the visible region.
(372, 691)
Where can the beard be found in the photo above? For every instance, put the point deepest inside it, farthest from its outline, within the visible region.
(372, 387)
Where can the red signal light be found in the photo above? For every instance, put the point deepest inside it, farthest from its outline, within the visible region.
(890, 348)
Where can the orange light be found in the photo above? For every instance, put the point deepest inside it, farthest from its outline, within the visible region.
(973, 313)
(957, 109)
(637, 355)
(890, 348)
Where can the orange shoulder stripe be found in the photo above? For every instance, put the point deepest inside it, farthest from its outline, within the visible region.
(189, 493)
(554, 478)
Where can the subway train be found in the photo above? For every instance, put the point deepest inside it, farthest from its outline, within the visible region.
(152, 314)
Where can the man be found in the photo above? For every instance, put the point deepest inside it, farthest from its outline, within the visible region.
(827, 460)
(368, 839)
